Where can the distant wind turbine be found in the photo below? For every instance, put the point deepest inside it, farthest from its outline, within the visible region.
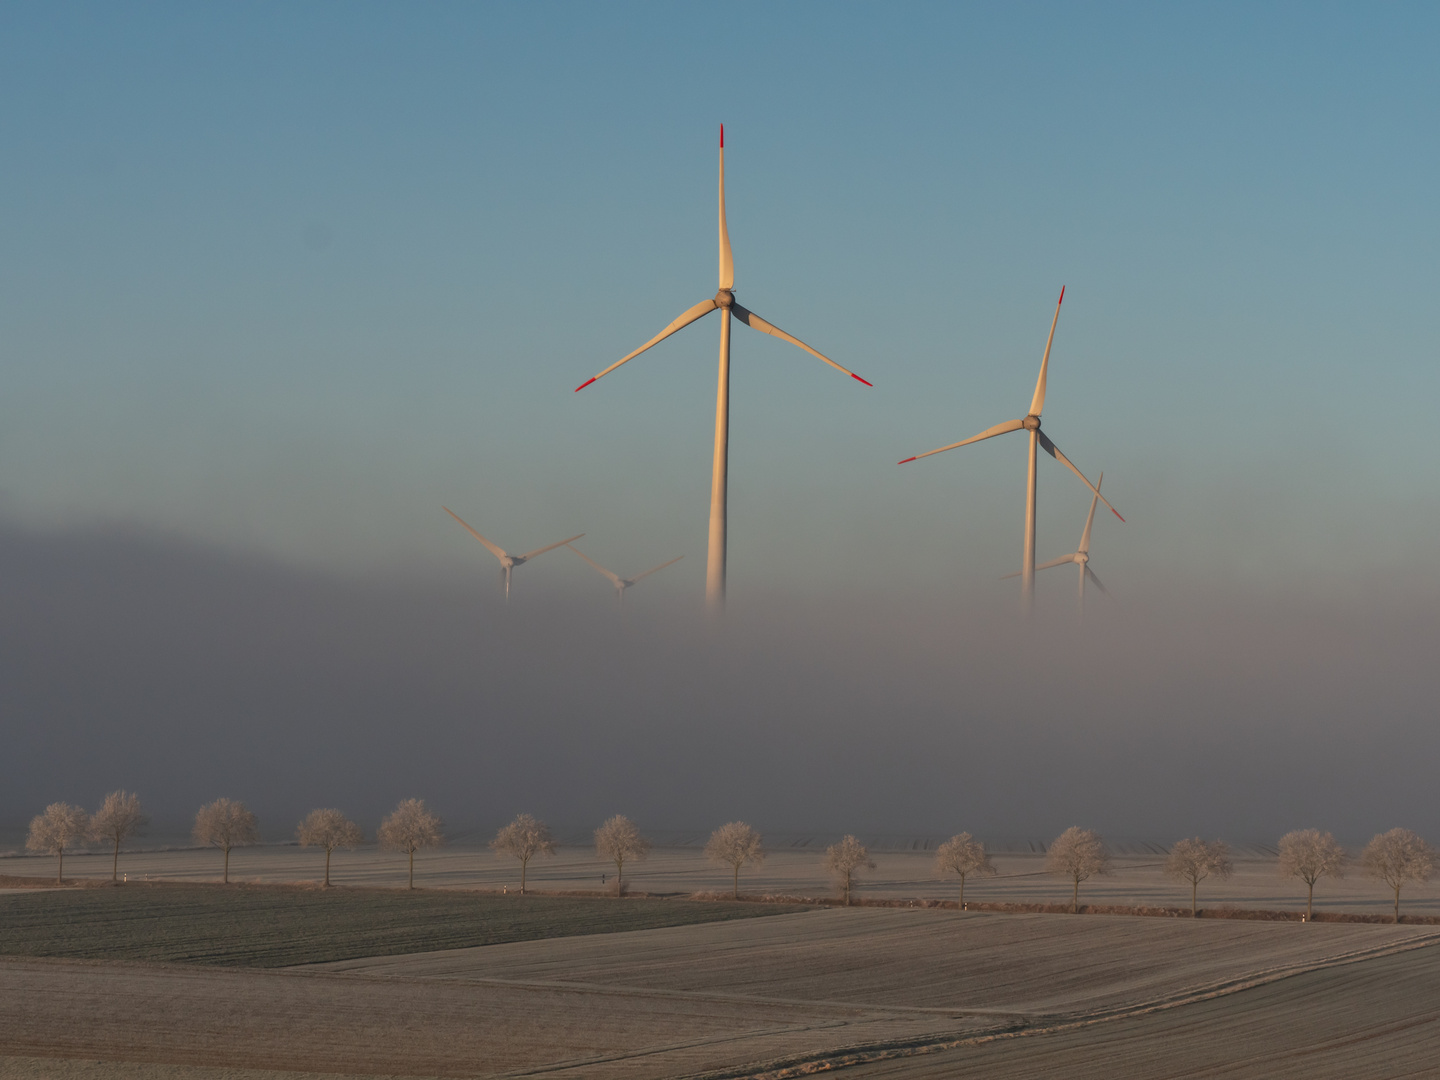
(1080, 557)
(621, 584)
(1031, 423)
(508, 562)
(724, 301)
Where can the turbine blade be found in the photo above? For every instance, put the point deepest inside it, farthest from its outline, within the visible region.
(755, 322)
(1054, 451)
(655, 569)
(614, 578)
(727, 260)
(1038, 401)
(1096, 581)
(494, 549)
(990, 433)
(1062, 561)
(551, 547)
(702, 308)
(1089, 521)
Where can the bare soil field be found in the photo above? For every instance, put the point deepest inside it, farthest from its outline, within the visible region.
(1138, 878)
(869, 988)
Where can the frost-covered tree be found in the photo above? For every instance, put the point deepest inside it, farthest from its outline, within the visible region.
(226, 824)
(328, 829)
(118, 818)
(1309, 855)
(1078, 854)
(734, 845)
(524, 838)
(845, 860)
(59, 828)
(1194, 861)
(410, 828)
(963, 855)
(620, 841)
(1397, 857)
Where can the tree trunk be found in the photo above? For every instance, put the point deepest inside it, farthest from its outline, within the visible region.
(227, 866)
(1397, 903)
(115, 865)
(737, 881)
(1310, 901)
(1075, 899)
(60, 871)
(847, 889)
(1194, 888)
(619, 877)
(962, 892)
(523, 864)
(412, 868)
(327, 867)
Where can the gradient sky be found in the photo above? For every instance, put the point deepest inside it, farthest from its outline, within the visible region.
(281, 279)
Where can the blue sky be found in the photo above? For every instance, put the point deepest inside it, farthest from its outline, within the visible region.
(286, 278)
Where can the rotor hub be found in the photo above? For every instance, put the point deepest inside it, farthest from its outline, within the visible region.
(725, 298)
(1031, 423)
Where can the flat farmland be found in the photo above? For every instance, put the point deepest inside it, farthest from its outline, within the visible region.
(1138, 878)
(252, 926)
(861, 989)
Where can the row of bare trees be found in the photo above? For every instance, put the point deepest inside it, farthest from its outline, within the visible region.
(1396, 858)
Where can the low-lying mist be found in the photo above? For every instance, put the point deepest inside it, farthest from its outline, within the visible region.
(185, 674)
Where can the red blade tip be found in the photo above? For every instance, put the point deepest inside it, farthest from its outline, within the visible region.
(722, 136)
(1116, 513)
(907, 459)
(584, 384)
(1062, 296)
(867, 382)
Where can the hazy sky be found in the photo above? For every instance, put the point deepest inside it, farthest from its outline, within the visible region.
(278, 280)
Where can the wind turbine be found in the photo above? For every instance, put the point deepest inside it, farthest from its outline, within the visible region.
(723, 301)
(508, 562)
(1038, 438)
(1080, 557)
(621, 584)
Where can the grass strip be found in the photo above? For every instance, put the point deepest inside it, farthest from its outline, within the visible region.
(269, 926)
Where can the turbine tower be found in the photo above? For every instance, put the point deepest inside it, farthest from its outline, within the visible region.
(508, 562)
(1038, 438)
(723, 301)
(1081, 556)
(621, 584)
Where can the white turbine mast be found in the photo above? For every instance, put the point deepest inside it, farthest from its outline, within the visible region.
(1038, 438)
(1081, 556)
(508, 562)
(621, 584)
(724, 301)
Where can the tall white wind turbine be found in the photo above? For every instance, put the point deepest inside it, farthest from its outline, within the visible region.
(508, 562)
(621, 584)
(1081, 556)
(723, 301)
(1038, 439)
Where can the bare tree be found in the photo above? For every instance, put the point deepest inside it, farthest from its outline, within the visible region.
(61, 826)
(1310, 855)
(1194, 861)
(734, 845)
(119, 817)
(226, 824)
(328, 829)
(1396, 857)
(524, 838)
(1078, 854)
(410, 828)
(620, 841)
(845, 860)
(963, 855)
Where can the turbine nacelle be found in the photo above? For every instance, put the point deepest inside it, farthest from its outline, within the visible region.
(725, 298)
(1031, 423)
